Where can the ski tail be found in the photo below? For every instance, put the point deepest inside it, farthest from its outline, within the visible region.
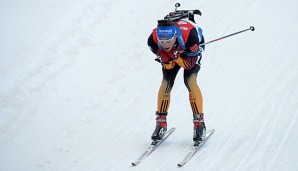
(195, 148)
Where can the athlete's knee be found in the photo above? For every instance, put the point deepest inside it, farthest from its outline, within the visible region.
(168, 80)
(167, 85)
(190, 80)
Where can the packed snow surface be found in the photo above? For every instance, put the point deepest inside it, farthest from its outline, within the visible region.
(79, 85)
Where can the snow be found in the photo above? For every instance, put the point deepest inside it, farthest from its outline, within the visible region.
(79, 85)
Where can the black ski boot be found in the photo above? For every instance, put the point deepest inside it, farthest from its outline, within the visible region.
(161, 126)
(199, 130)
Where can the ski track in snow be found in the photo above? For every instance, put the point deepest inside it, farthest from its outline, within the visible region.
(79, 85)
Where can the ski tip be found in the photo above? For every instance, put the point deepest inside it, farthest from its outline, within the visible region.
(133, 164)
(179, 165)
(212, 130)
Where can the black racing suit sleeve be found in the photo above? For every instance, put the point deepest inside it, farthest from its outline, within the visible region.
(192, 40)
(152, 45)
(192, 52)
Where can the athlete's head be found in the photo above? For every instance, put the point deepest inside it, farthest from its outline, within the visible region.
(166, 34)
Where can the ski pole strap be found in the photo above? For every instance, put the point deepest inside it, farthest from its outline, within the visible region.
(175, 54)
(200, 58)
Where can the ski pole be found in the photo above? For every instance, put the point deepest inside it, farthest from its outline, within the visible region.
(250, 28)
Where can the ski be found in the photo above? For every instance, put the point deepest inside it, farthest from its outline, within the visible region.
(195, 148)
(152, 147)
